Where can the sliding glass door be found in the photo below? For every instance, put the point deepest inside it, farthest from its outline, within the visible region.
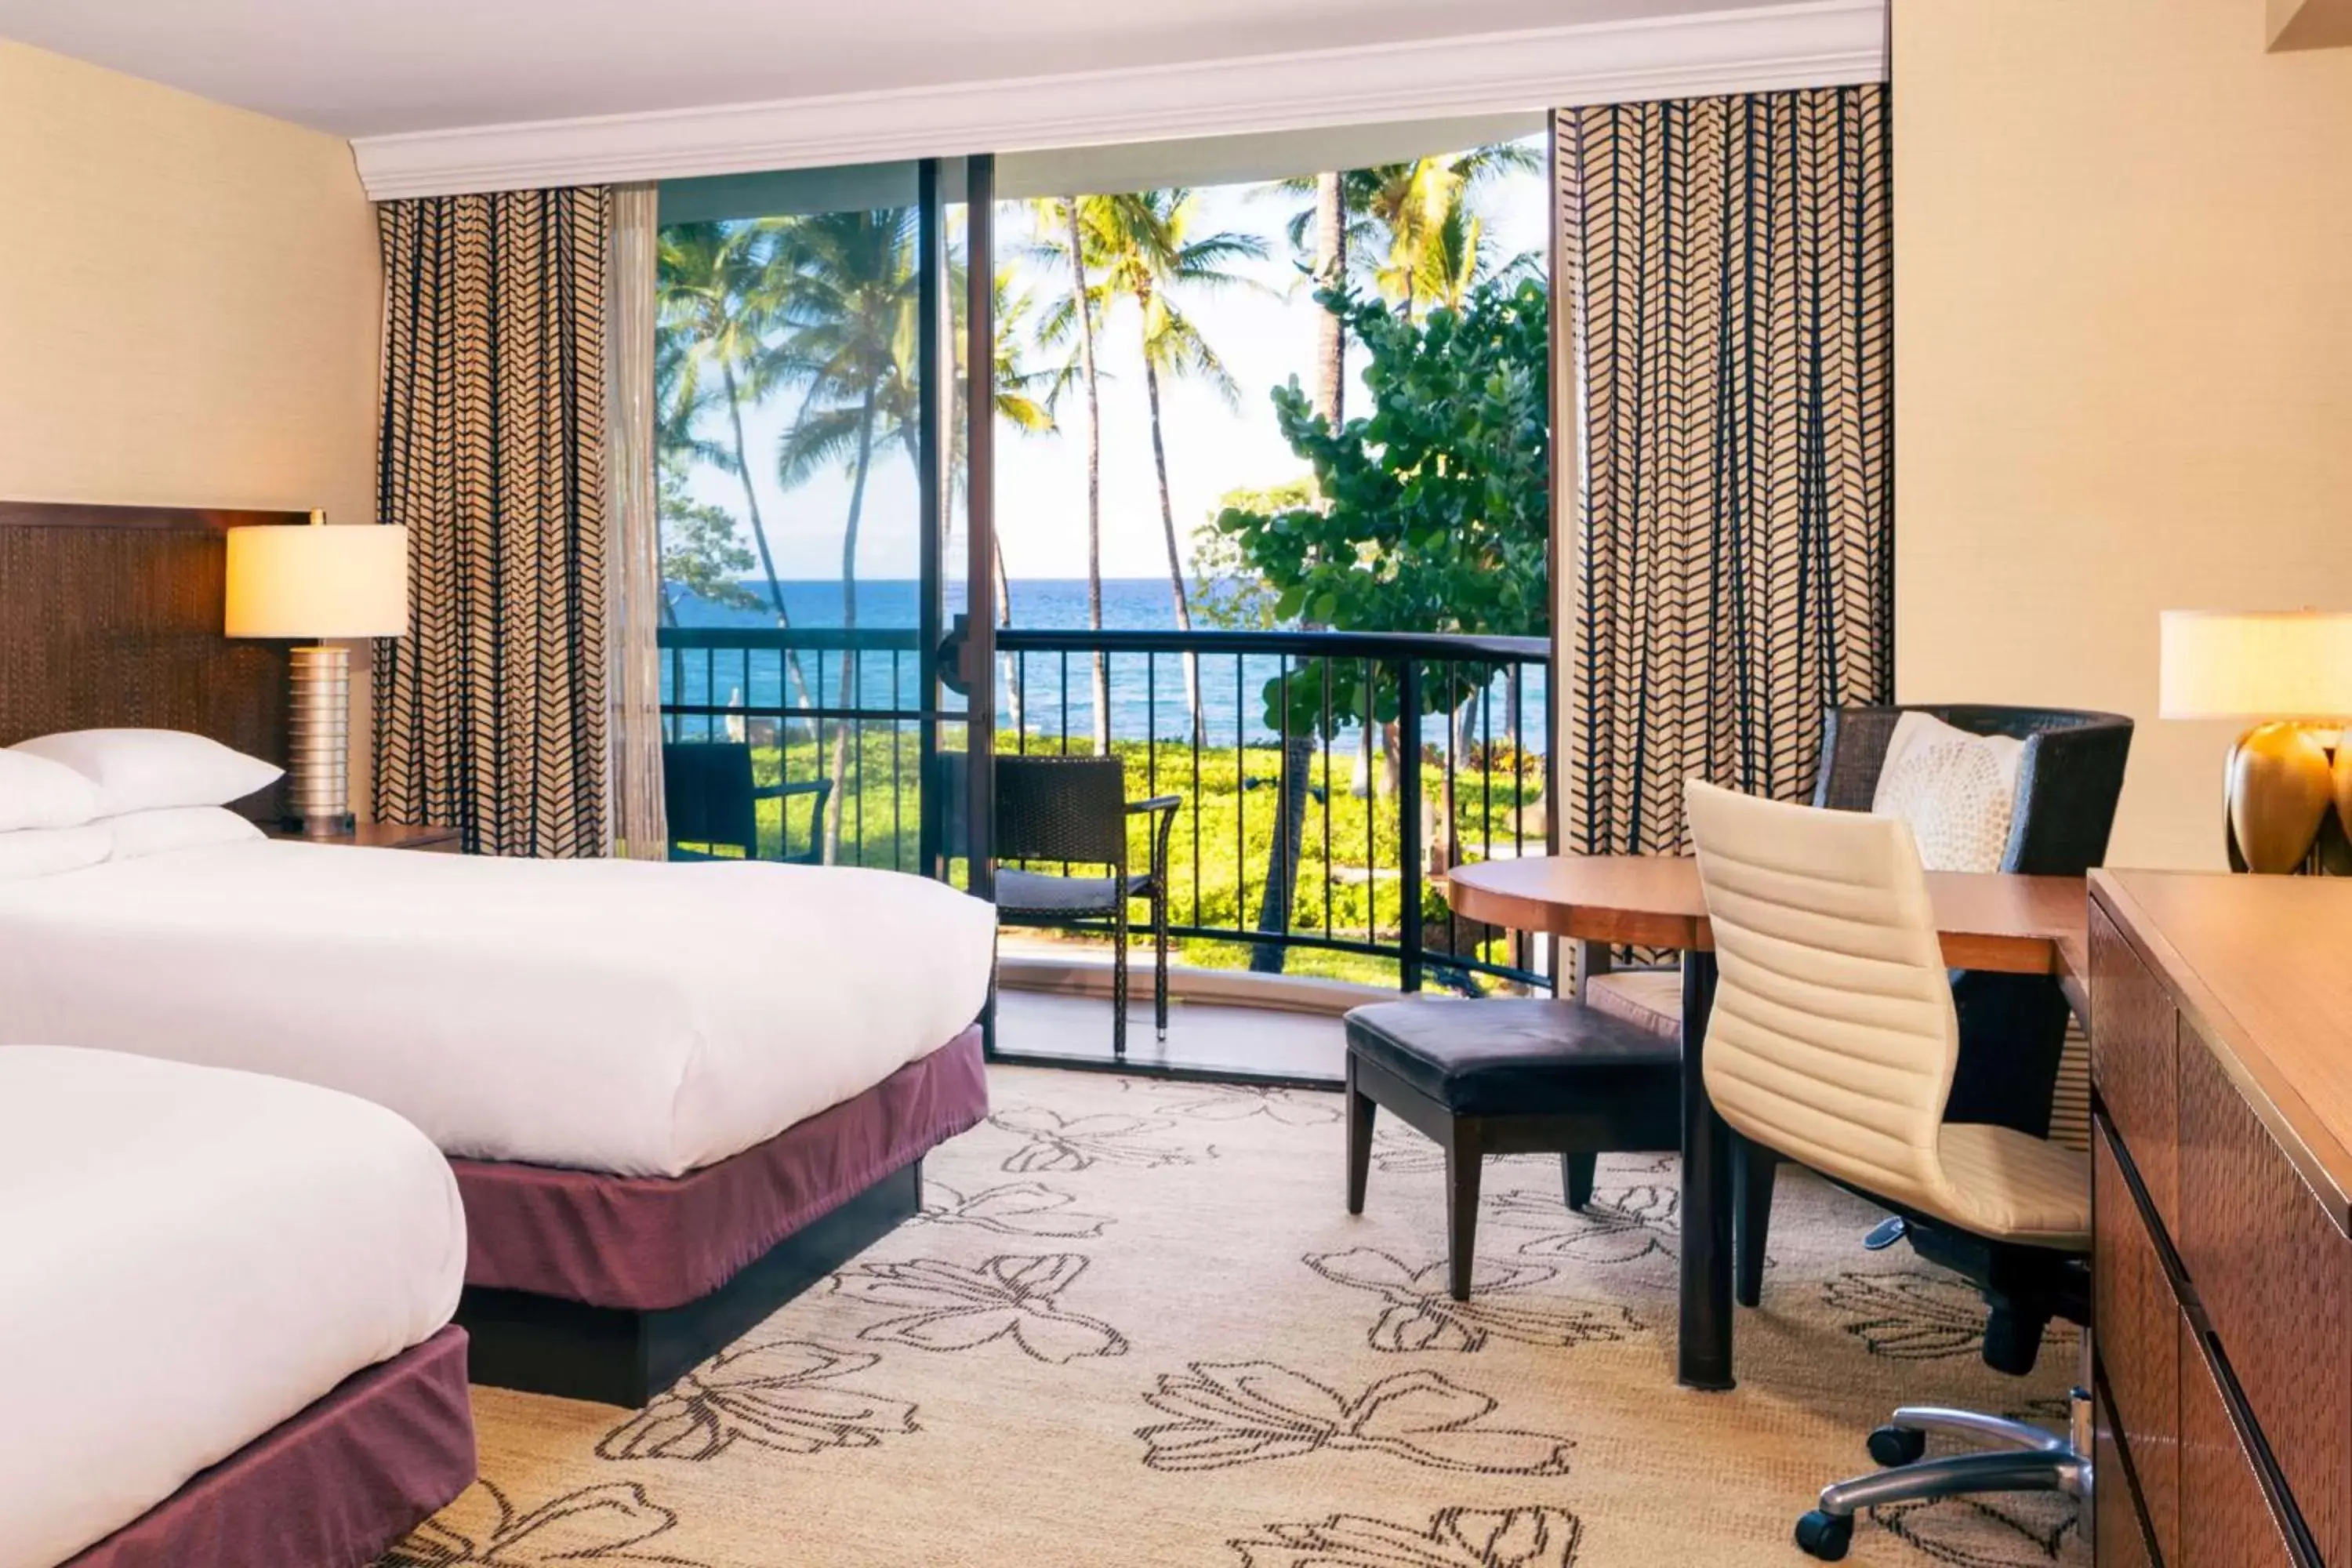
(816, 519)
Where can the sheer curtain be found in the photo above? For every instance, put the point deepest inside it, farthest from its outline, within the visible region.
(633, 578)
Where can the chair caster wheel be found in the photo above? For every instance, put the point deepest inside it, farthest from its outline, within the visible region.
(1826, 1535)
(1893, 1445)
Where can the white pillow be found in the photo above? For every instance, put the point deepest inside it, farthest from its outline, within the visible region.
(37, 793)
(138, 834)
(145, 770)
(45, 851)
(1958, 791)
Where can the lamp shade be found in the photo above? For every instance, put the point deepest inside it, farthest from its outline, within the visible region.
(2289, 665)
(318, 582)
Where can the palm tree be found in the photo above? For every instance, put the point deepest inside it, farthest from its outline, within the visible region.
(1411, 229)
(1149, 254)
(850, 288)
(1024, 395)
(1064, 241)
(715, 306)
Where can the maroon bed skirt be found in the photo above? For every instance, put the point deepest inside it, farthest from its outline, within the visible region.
(332, 1487)
(647, 1243)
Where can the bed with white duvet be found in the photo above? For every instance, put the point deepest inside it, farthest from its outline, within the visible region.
(195, 1258)
(615, 1016)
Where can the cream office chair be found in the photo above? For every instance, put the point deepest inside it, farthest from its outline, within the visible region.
(1832, 1041)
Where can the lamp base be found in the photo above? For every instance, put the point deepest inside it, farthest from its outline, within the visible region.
(2281, 798)
(320, 739)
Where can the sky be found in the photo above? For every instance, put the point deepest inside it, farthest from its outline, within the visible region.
(1265, 335)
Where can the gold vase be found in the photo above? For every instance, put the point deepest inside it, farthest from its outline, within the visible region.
(2280, 795)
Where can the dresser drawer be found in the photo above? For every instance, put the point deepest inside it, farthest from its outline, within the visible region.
(2232, 1525)
(2274, 1275)
(2135, 1060)
(2119, 1539)
(2134, 1321)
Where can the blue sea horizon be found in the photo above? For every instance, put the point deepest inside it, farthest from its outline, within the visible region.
(1140, 705)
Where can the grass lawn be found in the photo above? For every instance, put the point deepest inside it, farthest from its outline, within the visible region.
(1218, 853)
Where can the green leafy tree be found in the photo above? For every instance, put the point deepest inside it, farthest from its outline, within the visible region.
(1068, 240)
(702, 550)
(1435, 513)
(1228, 592)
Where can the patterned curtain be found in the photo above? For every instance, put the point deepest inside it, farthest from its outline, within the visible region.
(1725, 268)
(489, 714)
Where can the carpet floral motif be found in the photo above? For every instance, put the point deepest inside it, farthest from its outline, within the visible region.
(1456, 1538)
(1907, 1315)
(1985, 1532)
(597, 1524)
(1247, 1413)
(1236, 1101)
(1422, 1314)
(1058, 1143)
(787, 1397)
(1013, 1208)
(953, 1307)
(1620, 1224)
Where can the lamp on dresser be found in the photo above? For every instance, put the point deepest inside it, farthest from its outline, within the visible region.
(2288, 806)
(315, 585)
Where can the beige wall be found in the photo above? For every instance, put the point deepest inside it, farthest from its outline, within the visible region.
(2123, 357)
(189, 300)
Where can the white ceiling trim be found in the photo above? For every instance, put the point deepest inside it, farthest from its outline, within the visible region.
(1812, 43)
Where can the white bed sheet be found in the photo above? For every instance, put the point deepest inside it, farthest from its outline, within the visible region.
(623, 1016)
(191, 1256)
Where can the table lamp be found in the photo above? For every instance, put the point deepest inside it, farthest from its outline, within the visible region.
(311, 584)
(2291, 670)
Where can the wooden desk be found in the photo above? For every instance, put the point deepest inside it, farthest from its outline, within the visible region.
(2017, 925)
(2221, 1260)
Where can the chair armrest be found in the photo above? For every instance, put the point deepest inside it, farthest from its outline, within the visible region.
(1166, 806)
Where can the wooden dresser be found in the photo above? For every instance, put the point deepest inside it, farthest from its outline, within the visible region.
(2221, 1077)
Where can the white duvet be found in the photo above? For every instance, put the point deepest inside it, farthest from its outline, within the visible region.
(625, 1017)
(190, 1259)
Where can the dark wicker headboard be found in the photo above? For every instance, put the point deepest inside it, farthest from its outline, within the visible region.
(111, 617)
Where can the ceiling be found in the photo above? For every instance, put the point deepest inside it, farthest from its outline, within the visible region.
(370, 68)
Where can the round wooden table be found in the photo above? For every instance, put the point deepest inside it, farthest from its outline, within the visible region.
(2015, 925)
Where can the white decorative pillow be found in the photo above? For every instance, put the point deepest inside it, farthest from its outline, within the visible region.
(142, 832)
(1957, 790)
(146, 770)
(45, 851)
(37, 793)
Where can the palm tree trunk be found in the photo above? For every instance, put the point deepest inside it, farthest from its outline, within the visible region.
(1094, 474)
(1175, 558)
(841, 727)
(1331, 273)
(760, 528)
(1005, 618)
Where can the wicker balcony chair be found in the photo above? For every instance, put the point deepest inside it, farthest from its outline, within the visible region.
(713, 803)
(1075, 810)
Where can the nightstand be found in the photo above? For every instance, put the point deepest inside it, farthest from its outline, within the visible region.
(385, 836)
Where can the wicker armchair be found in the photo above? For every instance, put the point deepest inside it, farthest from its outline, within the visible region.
(2012, 1026)
(1075, 810)
(712, 801)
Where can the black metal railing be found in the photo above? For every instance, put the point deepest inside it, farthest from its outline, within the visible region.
(1329, 779)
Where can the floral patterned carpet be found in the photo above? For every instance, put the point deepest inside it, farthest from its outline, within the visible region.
(1135, 1325)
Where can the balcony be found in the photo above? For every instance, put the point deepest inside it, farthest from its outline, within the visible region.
(1307, 858)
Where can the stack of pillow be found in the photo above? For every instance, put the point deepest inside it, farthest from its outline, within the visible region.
(79, 799)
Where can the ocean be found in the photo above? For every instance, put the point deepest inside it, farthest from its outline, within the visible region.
(1231, 701)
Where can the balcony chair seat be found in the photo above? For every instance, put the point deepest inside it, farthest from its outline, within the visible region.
(1035, 893)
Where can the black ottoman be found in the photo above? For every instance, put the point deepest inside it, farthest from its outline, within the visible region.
(1507, 1077)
